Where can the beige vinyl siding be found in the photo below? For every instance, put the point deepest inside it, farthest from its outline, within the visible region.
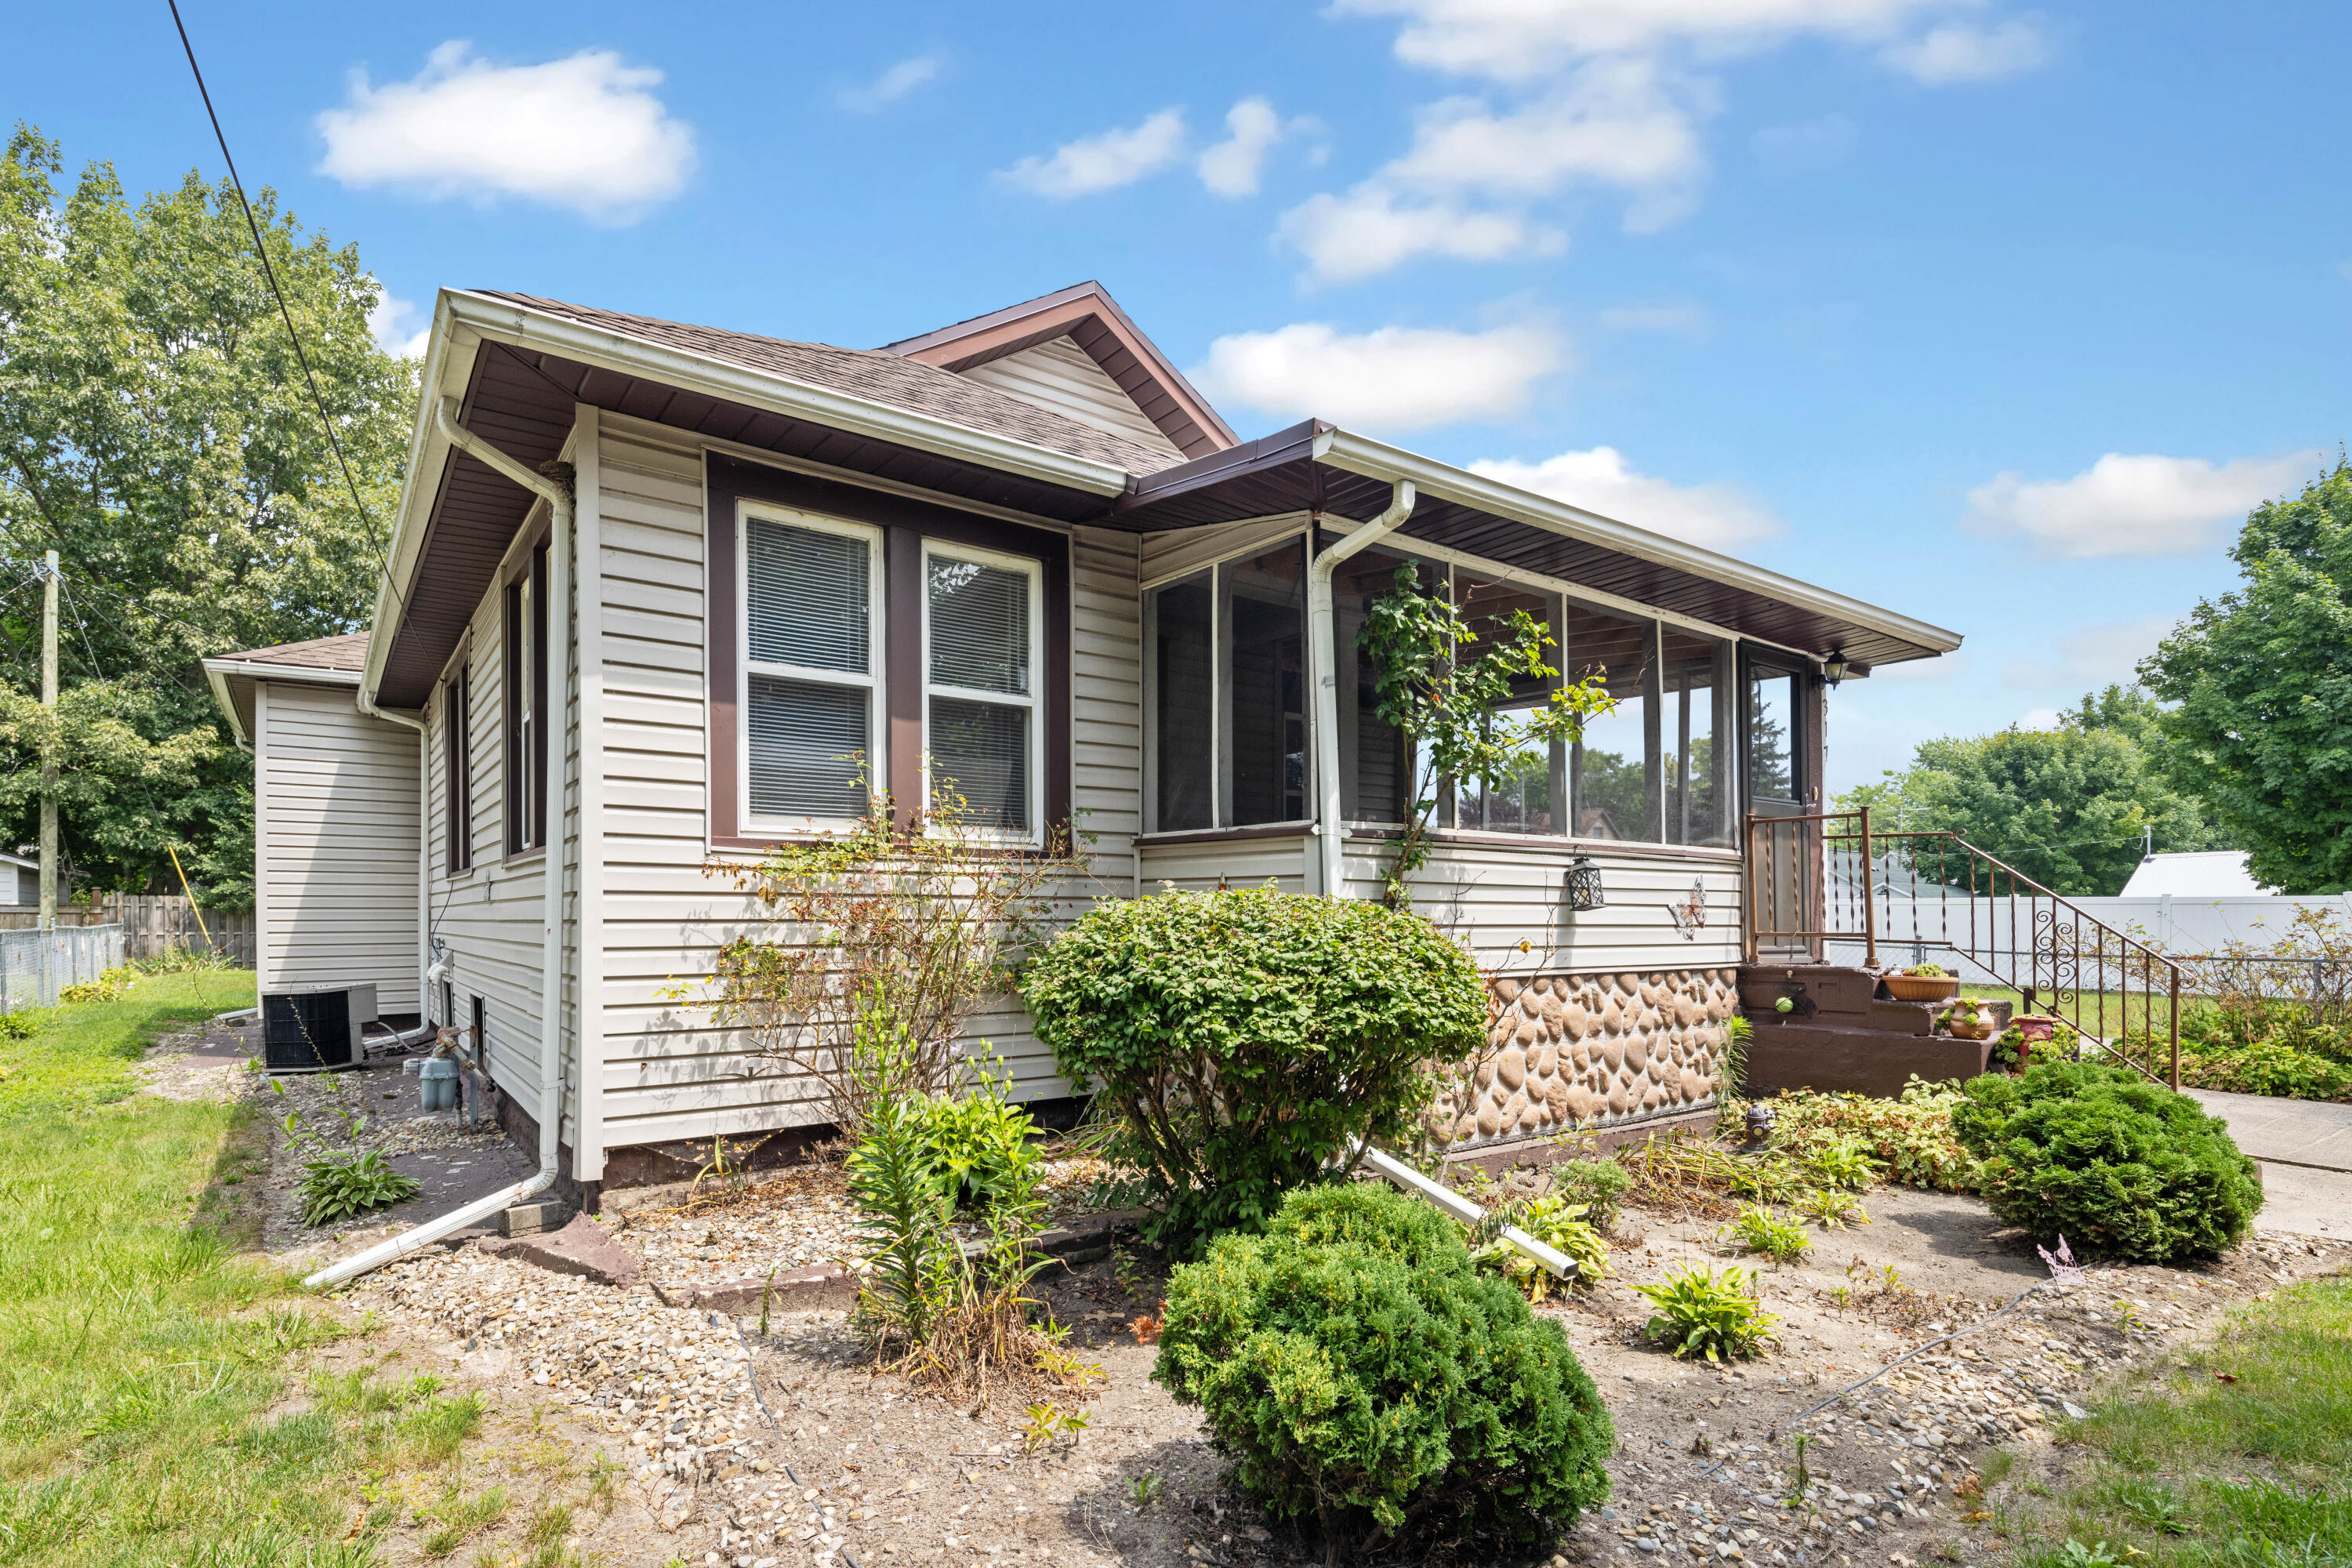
(1202, 866)
(1060, 375)
(1181, 552)
(1495, 893)
(336, 814)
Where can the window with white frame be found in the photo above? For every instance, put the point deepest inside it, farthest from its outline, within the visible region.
(812, 693)
(983, 652)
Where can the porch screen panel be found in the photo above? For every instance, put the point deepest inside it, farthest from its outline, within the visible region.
(1773, 734)
(1184, 705)
(1264, 600)
(1614, 766)
(1375, 779)
(1694, 728)
(1521, 800)
(980, 712)
(810, 680)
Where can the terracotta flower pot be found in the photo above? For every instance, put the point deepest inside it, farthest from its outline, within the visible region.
(1971, 1024)
(1921, 987)
(2037, 1026)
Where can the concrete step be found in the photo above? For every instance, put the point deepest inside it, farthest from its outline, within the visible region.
(1839, 1060)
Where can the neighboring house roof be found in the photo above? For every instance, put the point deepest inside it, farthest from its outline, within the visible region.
(873, 375)
(2194, 874)
(332, 661)
(1087, 315)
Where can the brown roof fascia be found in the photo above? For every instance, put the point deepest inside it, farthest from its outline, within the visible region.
(1184, 416)
(1250, 457)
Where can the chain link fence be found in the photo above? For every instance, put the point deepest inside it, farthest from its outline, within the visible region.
(35, 966)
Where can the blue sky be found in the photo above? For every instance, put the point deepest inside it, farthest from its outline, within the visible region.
(1996, 315)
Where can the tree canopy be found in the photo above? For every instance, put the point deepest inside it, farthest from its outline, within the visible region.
(2260, 683)
(2069, 806)
(156, 430)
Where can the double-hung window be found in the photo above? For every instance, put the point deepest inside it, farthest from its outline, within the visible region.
(527, 706)
(983, 654)
(812, 692)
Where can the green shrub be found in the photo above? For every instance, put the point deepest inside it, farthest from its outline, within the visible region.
(23, 1023)
(1838, 1162)
(1700, 1313)
(1248, 1038)
(1910, 1138)
(1598, 1186)
(1362, 1375)
(2116, 1164)
(2266, 1067)
(978, 1144)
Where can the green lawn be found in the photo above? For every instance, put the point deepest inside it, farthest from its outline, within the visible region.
(143, 1352)
(2241, 1459)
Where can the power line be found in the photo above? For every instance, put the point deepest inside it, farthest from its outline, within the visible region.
(261, 249)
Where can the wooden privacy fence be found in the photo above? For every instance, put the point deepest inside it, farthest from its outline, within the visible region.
(154, 923)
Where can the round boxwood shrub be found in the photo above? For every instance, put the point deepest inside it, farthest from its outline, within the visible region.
(2118, 1165)
(1247, 1038)
(1366, 1379)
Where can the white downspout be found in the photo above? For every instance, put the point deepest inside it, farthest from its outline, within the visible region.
(551, 1020)
(1322, 637)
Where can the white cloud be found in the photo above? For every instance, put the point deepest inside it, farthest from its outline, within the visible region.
(389, 324)
(1396, 378)
(1233, 167)
(1713, 515)
(1682, 320)
(895, 83)
(1955, 52)
(2126, 505)
(2092, 658)
(585, 132)
(1613, 123)
(1815, 144)
(1372, 230)
(2040, 719)
(1522, 40)
(1105, 162)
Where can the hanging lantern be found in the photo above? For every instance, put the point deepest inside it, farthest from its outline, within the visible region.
(1584, 885)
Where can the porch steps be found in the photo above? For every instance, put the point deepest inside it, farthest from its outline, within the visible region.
(1843, 1035)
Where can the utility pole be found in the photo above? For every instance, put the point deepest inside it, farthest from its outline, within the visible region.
(49, 748)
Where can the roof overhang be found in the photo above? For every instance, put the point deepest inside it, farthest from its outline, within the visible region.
(1088, 316)
(233, 680)
(520, 375)
(1318, 467)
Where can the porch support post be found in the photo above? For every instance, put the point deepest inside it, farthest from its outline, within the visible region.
(1323, 690)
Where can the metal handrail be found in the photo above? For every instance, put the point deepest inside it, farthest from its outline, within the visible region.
(2071, 955)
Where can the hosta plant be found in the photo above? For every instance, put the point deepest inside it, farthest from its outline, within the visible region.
(1702, 1313)
(340, 1178)
(1556, 1223)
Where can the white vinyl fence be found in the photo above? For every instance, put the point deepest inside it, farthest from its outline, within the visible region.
(35, 966)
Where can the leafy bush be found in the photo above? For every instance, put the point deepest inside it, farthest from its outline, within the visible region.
(1761, 1230)
(2266, 1067)
(1362, 1375)
(1597, 1186)
(1558, 1224)
(1839, 1162)
(2116, 1164)
(23, 1023)
(1832, 1209)
(1700, 1313)
(1248, 1038)
(108, 987)
(1910, 1138)
(978, 1143)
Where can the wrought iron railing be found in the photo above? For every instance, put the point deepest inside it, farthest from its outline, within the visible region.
(1831, 878)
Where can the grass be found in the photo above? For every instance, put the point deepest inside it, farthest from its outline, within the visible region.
(143, 1353)
(2241, 1459)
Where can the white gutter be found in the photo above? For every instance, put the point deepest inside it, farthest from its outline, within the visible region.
(1322, 639)
(1555, 1262)
(550, 1010)
(1377, 461)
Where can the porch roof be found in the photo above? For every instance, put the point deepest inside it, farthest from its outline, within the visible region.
(522, 366)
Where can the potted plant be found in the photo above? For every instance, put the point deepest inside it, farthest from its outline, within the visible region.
(1968, 1020)
(2009, 1052)
(1922, 982)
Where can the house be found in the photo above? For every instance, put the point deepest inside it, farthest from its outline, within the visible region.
(20, 883)
(1024, 552)
(2194, 874)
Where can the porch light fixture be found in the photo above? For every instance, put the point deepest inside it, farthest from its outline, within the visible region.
(1584, 885)
(1833, 667)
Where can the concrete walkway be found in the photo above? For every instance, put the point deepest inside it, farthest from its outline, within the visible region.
(2304, 1149)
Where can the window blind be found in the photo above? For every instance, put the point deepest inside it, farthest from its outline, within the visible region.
(980, 752)
(808, 743)
(810, 600)
(979, 627)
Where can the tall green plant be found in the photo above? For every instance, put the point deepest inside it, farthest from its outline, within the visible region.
(1451, 707)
